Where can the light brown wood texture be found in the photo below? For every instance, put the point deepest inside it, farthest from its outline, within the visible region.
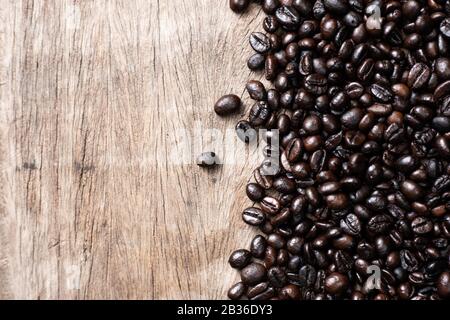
(91, 205)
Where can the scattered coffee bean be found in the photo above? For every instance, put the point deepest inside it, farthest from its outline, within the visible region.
(239, 6)
(207, 159)
(227, 105)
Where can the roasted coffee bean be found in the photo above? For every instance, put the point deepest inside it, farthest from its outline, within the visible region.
(288, 17)
(239, 6)
(294, 150)
(259, 114)
(237, 291)
(411, 190)
(239, 259)
(255, 192)
(421, 225)
(336, 283)
(351, 225)
(307, 276)
(316, 84)
(207, 159)
(253, 274)
(379, 224)
(253, 216)
(227, 105)
(442, 91)
(260, 42)
(445, 27)
(258, 246)
(270, 205)
(336, 6)
(419, 75)
(256, 61)
(256, 90)
(381, 93)
(245, 131)
(443, 285)
(277, 277)
(408, 261)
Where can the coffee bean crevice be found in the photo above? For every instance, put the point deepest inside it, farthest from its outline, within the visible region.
(360, 94)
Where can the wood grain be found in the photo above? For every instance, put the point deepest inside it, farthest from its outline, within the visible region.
(92, 207)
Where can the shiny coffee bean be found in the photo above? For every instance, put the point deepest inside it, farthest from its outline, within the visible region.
(227, 105)
(239, 259)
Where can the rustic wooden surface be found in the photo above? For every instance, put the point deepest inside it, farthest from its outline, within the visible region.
(90, 90)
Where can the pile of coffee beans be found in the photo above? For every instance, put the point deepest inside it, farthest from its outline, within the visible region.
(360, 207)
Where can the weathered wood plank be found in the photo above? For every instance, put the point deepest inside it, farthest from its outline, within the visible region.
(91, 204)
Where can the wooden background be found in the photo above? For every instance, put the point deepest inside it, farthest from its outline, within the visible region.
(91, 207)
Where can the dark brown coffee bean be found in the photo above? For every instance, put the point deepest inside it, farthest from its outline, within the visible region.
(336, 283)
(270, 205)
(351, 225)
(260, 42)
(207, 160)
(419, 75)
(253, 216)
(442, 91)
(445, 27)
(316, 84)
(256, 90)
(255, 192)
(288, 17)
(239, 259)
(253, 274)
(443, 285)
(421, 225)
(294, 150)
(336, 6)
(256, 62)
(381, 93)
(227, 105)
(379, 224)
(411, 190)
(259, 114)
(239, 6)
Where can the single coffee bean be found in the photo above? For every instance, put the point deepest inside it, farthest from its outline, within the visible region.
(381, 93)
(255, 192)
(239, 259)
(411, 190)
(445, 27)
(237, 291)
(379, 224)
(253, 274)
(336, 283)
(316, 84)
(245, 131)
(260, 42)
(253, 216)
(288, 17)
(419, 75)
(421, 225)
(256, 90)
(227, 105)
(336, 6)
(270, 205)
(443, 285)
(239, 6)
(207, 160)
(259, 114)
(442, 90)
(256, 61)
(258, 246)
